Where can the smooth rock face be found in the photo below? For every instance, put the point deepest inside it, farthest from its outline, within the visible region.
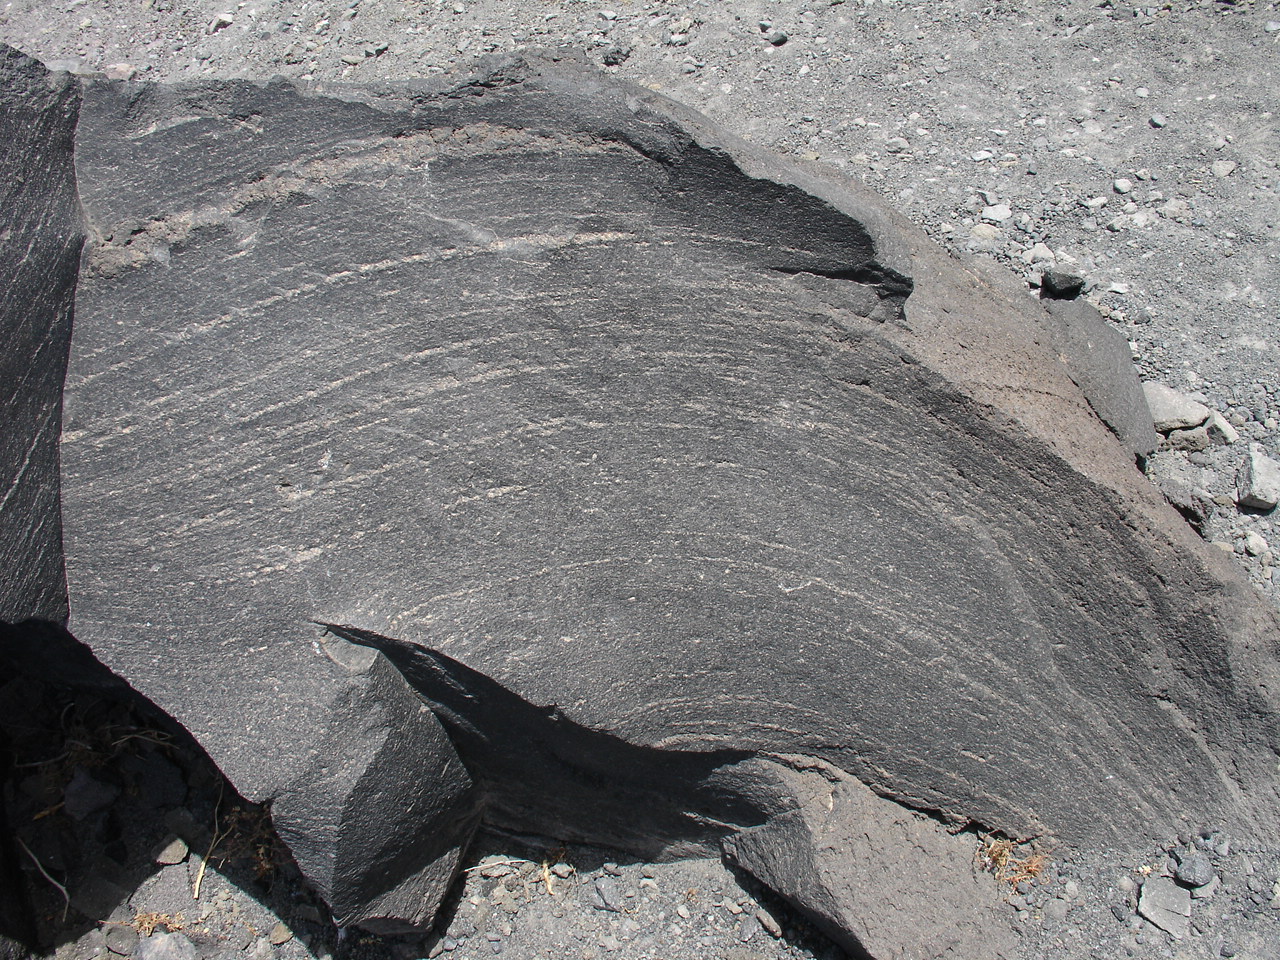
(40, 241)
(543, 387)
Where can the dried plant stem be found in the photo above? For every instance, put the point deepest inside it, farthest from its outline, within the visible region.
(66, 897)
(217, 838)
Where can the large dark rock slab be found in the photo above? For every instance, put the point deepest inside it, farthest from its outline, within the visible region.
(40, 241)
(624, 442)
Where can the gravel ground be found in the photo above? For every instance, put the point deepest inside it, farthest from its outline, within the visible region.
(1135, 145)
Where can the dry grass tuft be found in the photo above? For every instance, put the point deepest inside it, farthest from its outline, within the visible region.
(1011, 862)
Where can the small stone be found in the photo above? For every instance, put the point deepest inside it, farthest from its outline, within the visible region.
(984, 232)
(1119, 912)
(611, 943)
(1258, 480)
(1122, 186)
(1207, 891)
(1061, 285)
(1192, 441)
(608, 14)
(981, 155)
(1056, 909)
(1166, 905)
(85, 795)
(1039, 253)
(1171, 410)
(562, 870)
(1070, 890)
(997, 213)
(1271, 26)
(897, 145)
(1194, 869)
(1222, 168)
(608, 896)
(221, 22)
(769, 922)
(747, 930)
(777, 38)
(1228, 949)
(353, 59)
(1126, 885)
(1157, 120)
(280, 934)
(612, 869)
(121, 939)
(174, 850)
(1254, 546)
(684, 912)
(1220, 430)
(166, 946)
(119, 71)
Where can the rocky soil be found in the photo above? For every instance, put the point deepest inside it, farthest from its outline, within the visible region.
(1132, 145)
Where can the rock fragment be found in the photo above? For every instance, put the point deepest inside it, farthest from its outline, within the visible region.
(1061, 285)
(1194, 869)
(1166, 905)
(1258, 480)
(1171, 410)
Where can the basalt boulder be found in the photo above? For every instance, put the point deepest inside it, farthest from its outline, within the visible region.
(520, 446)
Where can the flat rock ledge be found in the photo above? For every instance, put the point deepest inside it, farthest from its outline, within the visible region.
(520, 449)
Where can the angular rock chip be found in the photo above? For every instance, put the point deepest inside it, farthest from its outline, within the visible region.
(1167, 905)
(627, 444)
(1101, 362)
(1258, 480)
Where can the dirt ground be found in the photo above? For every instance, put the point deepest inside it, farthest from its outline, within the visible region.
(1134, 144)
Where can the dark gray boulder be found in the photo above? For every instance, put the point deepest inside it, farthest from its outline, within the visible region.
(644, 457)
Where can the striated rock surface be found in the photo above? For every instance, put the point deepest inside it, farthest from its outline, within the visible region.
(643, 457)
(40, 241)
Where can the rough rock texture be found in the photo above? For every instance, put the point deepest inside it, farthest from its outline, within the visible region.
(542, 377)
(40, 241)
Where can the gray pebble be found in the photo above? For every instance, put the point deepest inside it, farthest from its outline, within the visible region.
(777, 38)
(1056, 909)
(1157, 120)
(607, 895)
(1194, 869)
